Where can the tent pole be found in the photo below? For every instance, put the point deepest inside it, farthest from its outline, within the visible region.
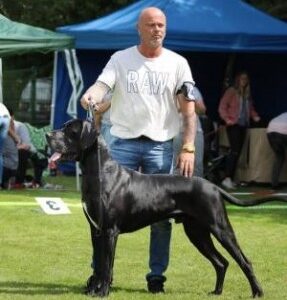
(227, 80)
(54, 87)
(1, 82)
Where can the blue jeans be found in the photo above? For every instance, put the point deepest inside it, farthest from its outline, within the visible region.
(150, 157)
(4, 125)
(106, 133)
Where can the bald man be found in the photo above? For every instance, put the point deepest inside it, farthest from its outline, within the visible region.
(146, 80)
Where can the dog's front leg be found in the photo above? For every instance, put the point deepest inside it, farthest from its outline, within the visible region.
(104, 245)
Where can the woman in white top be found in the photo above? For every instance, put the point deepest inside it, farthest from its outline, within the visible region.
(277, 137)
(4, 126)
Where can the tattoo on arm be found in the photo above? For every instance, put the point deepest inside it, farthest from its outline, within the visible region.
(189, 125)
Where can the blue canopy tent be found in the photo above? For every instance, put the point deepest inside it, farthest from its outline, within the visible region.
(193, 25)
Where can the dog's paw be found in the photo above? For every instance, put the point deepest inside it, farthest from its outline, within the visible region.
(216, 292)
(103, 291)
(257, 294)
(96, 288)
(92, 286)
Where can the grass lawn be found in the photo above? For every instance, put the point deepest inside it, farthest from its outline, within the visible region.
(48, 257)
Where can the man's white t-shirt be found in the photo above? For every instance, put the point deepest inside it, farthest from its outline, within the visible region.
(144, 93)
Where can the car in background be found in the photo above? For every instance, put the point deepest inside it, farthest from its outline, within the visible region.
(35, 102)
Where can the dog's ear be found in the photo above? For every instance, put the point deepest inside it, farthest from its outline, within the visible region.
(89, 135)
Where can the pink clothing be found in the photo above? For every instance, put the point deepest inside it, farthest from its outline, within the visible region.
(229, 107)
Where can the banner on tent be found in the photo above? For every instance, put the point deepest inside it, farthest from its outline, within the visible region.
(76, 80)
(1, 93)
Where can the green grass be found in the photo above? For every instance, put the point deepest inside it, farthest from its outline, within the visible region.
(48, 257)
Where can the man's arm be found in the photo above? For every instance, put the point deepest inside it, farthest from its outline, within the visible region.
(24, 135)
(94, 94)
(185, 160)
(12, 133)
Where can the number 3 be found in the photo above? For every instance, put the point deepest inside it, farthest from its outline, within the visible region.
(52, 205)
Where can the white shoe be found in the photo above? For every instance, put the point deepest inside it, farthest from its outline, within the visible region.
(228, 184)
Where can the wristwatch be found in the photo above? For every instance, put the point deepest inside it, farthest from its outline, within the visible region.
(188, 147)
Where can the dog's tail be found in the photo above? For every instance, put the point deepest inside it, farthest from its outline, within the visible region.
(250, 202)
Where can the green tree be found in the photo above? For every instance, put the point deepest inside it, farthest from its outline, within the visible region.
(51, 14)
(276, 8)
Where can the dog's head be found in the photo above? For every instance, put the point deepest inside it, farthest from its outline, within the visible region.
(71, 141)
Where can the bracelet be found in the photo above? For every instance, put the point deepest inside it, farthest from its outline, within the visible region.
(188, 147)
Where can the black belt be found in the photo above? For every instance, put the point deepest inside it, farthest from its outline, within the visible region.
(144, 138)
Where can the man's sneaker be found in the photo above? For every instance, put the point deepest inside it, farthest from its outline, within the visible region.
(228, 184)
(155, 286)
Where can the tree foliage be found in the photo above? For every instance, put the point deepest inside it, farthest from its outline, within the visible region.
(51, 14)
(276, 8)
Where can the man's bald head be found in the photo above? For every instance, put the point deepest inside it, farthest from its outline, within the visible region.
(150, 12)
(151, 27)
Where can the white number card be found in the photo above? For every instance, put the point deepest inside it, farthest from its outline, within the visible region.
(53, 205)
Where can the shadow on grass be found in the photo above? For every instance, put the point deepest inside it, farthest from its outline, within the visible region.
(274, 215)
(31, 288)
(128, 290)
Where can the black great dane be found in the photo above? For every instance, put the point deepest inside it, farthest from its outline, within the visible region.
(118, 200)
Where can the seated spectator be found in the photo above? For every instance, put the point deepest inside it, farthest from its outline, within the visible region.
(27, 152)
(39, 158)
(10, 155)
(4, 125)
(277, 137)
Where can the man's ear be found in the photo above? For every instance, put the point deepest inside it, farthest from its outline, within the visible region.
(89, 135)
(138, 29)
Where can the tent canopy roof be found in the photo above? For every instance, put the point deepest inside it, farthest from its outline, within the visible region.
(192, 25)
(18, 38)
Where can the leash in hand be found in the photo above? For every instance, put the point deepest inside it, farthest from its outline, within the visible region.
(91, 115)
(92, 109)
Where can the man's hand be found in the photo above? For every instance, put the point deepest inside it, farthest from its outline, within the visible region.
(86, 100)
(229, 122)
(185, 163)
(94, 95)
(22, 146)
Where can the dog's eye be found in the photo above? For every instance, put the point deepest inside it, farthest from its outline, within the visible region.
(74, 134)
